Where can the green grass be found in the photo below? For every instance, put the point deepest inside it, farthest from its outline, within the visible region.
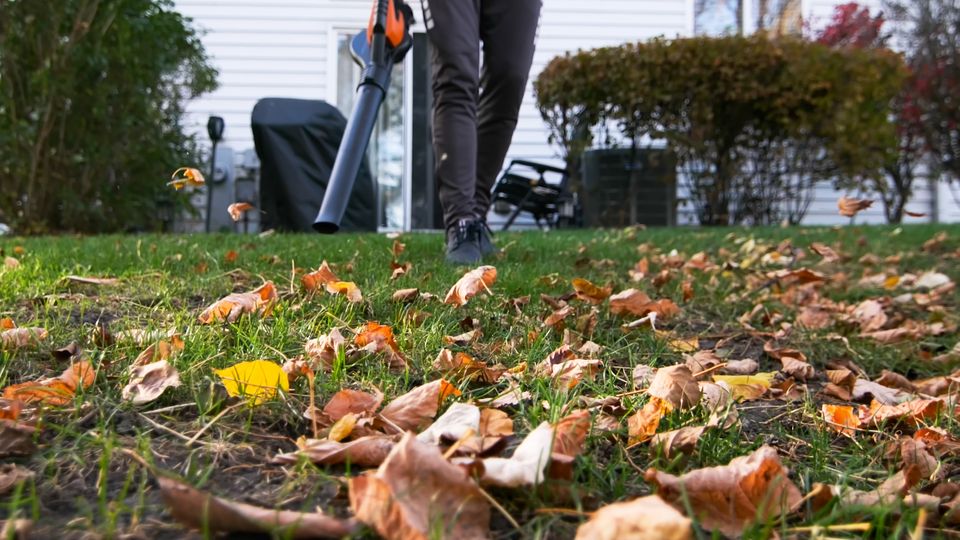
(86, 483)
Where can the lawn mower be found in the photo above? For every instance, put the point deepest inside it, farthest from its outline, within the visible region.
(384, 43)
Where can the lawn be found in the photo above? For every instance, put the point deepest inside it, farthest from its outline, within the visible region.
(96, 456)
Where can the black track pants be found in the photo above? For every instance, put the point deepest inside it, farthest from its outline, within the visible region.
(474, 113)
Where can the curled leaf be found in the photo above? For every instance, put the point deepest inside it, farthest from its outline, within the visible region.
(236, 210)
(228, 309)
(56, 390)
(474, 281)
(589, 292)
(186, 176)
(851, 207)
(148, 382)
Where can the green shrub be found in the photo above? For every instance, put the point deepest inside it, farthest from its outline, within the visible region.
(755, 123)
(92, 95)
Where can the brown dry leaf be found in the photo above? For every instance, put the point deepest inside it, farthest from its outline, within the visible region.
(851, 207)
(678, 441)
(938, 440)
(417, 408)
(825, 251)
(462, 365)
(349, 401)
(863, 390)
(814, 318)
(236, 210)
(463, 339)
(205, 512)
(228, 309)
(870, 316)
(558, 316)
(687, 290)
(914, 453)
(406, 295)
(589, 292)
(569, 373)
(55, 390)
(147, 382)
(16, 439)
(913, 412)
(10, 262)
(796, 368)
(895, 380)
(417, 494)
(161, 350)
(11, 475)
(646, 518)
(399, 269)
(745, 366)
(377, 337)
(367, 451)
(15, 338)
(642, 426)
(891, 489)
(570, 434)
(730, 497)
(322, 352)
(92, 280)
(630, 301)
(473, 282)
(676, 386)
(798, 276)
(459, 421)
(841, 418)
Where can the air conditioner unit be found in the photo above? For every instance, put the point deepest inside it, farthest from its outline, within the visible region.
(623, 187)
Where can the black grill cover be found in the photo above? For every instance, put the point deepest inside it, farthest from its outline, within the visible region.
(297, 142)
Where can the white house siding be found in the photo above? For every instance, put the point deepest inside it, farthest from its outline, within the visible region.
(286, 48)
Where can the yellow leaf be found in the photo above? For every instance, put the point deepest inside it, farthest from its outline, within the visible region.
(186, 176)
(746, 387)
(891, 282)
(257, 380)
(343, 427)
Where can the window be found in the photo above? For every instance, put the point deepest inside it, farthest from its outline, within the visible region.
(386, 150)
(731, 17)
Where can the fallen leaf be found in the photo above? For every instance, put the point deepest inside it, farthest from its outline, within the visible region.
(205, 512)
(474, 281)
(87, 280)
(15, 338)
(914, 453)
(228, 309)
(324, 277)
(417, 494)
(406, 295)
(569, 373)
(730, 497)
(890, 490)
(186, 176)
(463, 366)
(630, 301)
(148, 381)
(677, 441)
(16, 438)
(558, 316)
(343, 427)
(55, 390)
(570, 434)
(912, 412)
(230, 256)
(863, 390)
(349, 401)
(16, 529)
(463, 339)
(256, 380)
(676, 386)
(646, 518)
(870, 315)
(746, 387)
(417, 408)
(825, 251)
(322, 352)
(841, 418)
(745, 366)
(161, 350)
(367, 451)
(459, 421)
(236, 210)
(379, 338)
(642, 426)
(527, 466)
(11, 475)
(814, 318)
(10, 262)
(851, 207)
(589, 292)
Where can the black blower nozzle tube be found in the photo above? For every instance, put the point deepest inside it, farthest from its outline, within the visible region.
(350, 155)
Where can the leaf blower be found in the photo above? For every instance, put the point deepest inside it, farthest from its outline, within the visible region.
(384, 43)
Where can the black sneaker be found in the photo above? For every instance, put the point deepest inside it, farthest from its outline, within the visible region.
(487, 247)
(463, 242)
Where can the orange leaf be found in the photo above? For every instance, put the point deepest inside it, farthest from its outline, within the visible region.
(590, 293)
(319, 277)
(850, 207)
(642, 426)
(730, 497)
(55, 390)
(236, 210)
(186, 176)
(646, 518)
(474, 281)
(415, 409)
(228, 309)
(840, 418)
(348, 401)
(913, 412)
(379, 338)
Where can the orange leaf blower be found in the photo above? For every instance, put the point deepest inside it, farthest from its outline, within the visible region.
(384, 43)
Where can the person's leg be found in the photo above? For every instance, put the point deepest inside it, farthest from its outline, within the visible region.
(454, 33)
(508, 29)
